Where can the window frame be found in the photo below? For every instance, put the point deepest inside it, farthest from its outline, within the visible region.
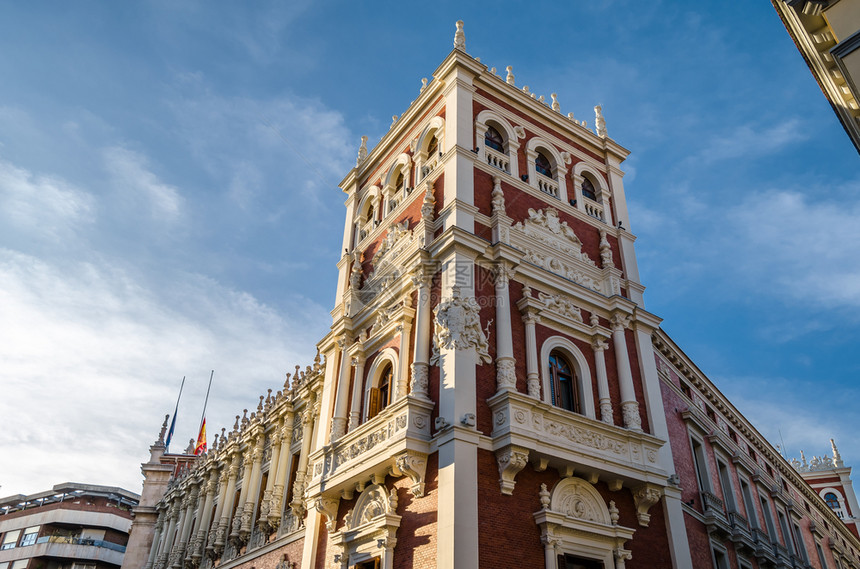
(580, 367)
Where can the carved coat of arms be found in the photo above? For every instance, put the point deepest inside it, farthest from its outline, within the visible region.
(458, 326)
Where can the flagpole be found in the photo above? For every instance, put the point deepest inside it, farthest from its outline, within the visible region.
(206, 401)
(173, 420)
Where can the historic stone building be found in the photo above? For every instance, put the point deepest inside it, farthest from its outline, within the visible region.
(492, 391)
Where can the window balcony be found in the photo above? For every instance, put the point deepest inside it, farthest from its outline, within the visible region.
(594, 209)
(547, 185)
(763, 547)
(565, 440)
(66, 547)
(498, 160)
(741, 536)
(373, 449)
(715, 517)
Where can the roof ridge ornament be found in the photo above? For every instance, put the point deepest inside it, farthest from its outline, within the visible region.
(460, 37)
(362, 151)
(599, 122)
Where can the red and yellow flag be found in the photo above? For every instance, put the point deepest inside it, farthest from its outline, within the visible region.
(200, 448)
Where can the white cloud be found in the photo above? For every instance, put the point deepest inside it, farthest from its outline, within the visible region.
(748, 141)
(133, 178)
(93, 353)
(43, 207)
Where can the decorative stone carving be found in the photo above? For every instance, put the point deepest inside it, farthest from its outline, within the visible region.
(630, 413)
(506, 376)
(362, 151)
(458, 326)
(498, 197)
(613, 512)
(328, 507)
(460, 37)
(509, 78)
(355, 273)
(599, 122)
(420, 380)
(414, 466)
(511, 460)
(545, 227)
(644, 497)
(605, 251)
(561, 306)
(398, 235)
(429, 204)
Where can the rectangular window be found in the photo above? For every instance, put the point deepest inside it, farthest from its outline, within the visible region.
(799, 544)
(720, 560)
(749, 504)
(821, 556)
(768, 519)
(4, 565)
(20, 564)
(726, 483)
(10, 539)
(30, 535)
(701, 465)
(786, 535)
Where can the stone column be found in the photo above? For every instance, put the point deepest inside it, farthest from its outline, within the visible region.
(283, 470)
(629, 405)
(357, 383)
(403, 360)
(252, 483)
(532, 375)
(266, 503)
(204, 517)
(506, 377)
(423, 318)
(227, 502)
(156, 541)
(549, 550)
(338, 422)
(216, 519)
(189, 503)
(298, 504)
(599, 346)
(236, 524)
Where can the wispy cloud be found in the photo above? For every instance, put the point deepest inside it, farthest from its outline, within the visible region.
(749, 141)
(97, 337)
(43, 207)
(134, 179)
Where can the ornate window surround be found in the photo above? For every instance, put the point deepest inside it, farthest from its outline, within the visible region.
(575, 520)
(403, 163)
(374, 374)
(580, 365)
(490, 118)
(558, 160)
(435, 128)
(843, 512)
(369, 529)
(582, 170)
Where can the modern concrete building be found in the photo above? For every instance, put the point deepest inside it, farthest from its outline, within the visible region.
(71, 526)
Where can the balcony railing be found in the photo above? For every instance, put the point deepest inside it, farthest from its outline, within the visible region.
(547, 185)
(81, 541)
(594, 209)
(498, 159)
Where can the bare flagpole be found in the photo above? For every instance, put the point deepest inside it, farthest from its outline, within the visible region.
(173, 421)
(206, 401)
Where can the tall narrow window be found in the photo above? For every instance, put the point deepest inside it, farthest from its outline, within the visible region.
(494, 140)
(701, 464)
(588, 189)
(768, 518)
(398, 185)
(786, 534)
(380, 396)
(821, 558)
(799, 544)
(433, 147)
(563, 383)
(833, 501)
(726, 483)
(542, 165)
(749, 504)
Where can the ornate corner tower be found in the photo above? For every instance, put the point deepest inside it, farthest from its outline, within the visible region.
(489, 343)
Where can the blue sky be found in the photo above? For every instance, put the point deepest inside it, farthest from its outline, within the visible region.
(168, 201)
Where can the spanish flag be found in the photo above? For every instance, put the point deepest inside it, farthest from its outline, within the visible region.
(200, 448)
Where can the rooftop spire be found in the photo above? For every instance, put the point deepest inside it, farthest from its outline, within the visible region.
(837, 458)
(460, 37)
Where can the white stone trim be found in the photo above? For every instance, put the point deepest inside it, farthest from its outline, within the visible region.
(509, 132)
(537, 143)
(840, 496)
(578, 361)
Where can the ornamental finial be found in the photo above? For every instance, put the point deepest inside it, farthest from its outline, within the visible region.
(837, 458)
(510, 77)
(160, 440)
(460, 37)
(599, 123)
(362, 151)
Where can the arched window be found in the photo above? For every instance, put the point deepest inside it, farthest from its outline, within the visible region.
(380, 396)
(432, 148)
(494, 140)
(832, 500)
(398, 185)
(588, 189)
(542, 165)
(563, 383)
